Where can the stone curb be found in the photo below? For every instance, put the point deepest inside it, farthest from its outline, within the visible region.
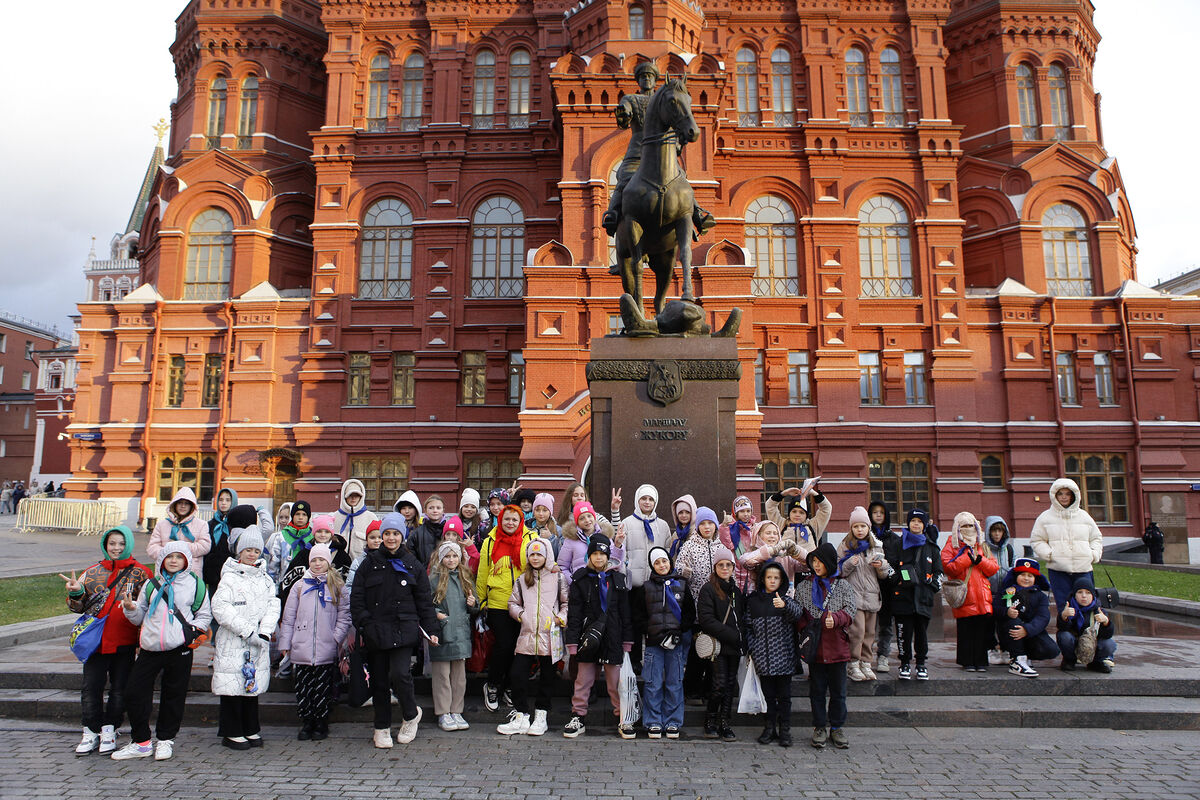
(36, 630)
(1166, 605)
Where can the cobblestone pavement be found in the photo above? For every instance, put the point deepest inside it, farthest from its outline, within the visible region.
(479, 764)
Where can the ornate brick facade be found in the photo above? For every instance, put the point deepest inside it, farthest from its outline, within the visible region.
(376, 219)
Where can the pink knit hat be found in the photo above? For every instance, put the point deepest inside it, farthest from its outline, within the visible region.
(321, 551)
(544, 499)
(582, 507)
(859, 514)
(453, 524)
(723, 553)
(323, 522)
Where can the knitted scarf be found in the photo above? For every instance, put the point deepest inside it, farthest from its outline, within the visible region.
(911, 539)
(115, 567)
(860, 546)
(507, 544)
(1082, 613)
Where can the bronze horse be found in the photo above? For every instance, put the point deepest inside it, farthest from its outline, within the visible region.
(656, 211)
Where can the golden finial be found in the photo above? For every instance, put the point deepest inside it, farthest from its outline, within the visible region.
(161, 129)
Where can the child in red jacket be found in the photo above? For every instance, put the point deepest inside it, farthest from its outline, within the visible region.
(829, 602)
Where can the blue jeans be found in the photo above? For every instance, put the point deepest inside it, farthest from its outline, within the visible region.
(1061, 583)
(662, 689)
(827, 679)
(1105, 648)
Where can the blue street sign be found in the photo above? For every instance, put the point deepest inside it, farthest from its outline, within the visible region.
(91, 436)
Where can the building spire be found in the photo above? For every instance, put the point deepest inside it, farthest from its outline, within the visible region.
(156, 159)
(161, 129)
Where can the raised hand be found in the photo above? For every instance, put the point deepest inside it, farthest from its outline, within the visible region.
(792, 492)
(726, 519)
(615, 503)
(778, 602)
(73, 583)
(828, 620)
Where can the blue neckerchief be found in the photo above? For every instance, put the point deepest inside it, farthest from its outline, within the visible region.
(318, 586)
(912, 539)
(820, 590)
(859, 547)
(735, 533)
(176, 527)
(294, 535)
(398, 565)
(602, 579)
(221, 529)
(681, 535)
(646, 524)
(669, 599)
(348, 522)
(802, 530)
(1082, 613)
(167, 588)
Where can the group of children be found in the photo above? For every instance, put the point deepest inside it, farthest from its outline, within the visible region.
(684, 599)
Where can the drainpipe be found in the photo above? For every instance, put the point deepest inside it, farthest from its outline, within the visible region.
(223, 404)
(1136, 513)
(147, 456)
(1058, 418)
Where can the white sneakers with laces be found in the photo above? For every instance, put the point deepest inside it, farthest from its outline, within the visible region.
(88, 743)
(408, 728)
(108, 739)
(383, 738)
(539, 725)
(164, 749)
(517, 723)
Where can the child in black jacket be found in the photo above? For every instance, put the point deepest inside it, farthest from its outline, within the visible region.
(599, 632)
(667, 617)
(913, 588)
(719, 610)
(1022, 612)
(771, 641)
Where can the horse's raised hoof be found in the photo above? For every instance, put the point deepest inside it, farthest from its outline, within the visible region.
(730, 328)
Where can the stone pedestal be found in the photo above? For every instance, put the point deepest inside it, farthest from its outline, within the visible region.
(663, 413)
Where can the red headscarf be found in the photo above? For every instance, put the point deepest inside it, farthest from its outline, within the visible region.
(508, 544)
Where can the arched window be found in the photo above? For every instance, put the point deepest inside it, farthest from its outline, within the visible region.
(377, 93)
(856, 88)
(248, 114)
(124, 287)
(892, 89)
(497, 247)
(771, 239)
(217, 92)
(782, 92)
(637, 22)
(385, 261)
(485, 90)
(106, 290)
(1065, 250)
(747, 88)
(209, 256)
(1060, 102)
(1027, 103)
(412, 92)
(518, 89)
(884, 249)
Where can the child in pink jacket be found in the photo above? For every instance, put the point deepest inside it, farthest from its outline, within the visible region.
(182, 523)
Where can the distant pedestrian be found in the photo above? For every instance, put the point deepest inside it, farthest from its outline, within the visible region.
(6, 498)
(1153, 539)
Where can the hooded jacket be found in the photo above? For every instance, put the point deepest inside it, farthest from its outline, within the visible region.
(101, 592)
(838, 602)
(390, 607)
(299, 565)
(1033, 609)
(350, 522)
(864, 579)
(161, 631)
(310, 631)
(191, 530)
(409, 498)
(584, 607)
(572, 556)
(771, 631)
(656, 615)
(817, 521)
(679, 535)
(1103, 631)
(638, 541)
(882, 532)
(244, 606)
(1003, 551)
(424, 539)
(971, 563)
(786, 553)
(916, 572)
(1066, 538)
(285, 542)
(744, 544)
(454, 641)
(219, 534)
(538, 609)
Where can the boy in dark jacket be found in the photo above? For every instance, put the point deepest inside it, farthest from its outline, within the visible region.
(599, 632)
(1022, 612)
(885, 625)
(1082, 612)
(392, 609)
(667, 616)
(913, 588)
(771, 641)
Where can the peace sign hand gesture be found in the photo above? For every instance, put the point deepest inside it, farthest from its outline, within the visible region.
(73, 583)
(615, 503)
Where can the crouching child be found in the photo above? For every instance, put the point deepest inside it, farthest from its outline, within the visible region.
(1022, 611)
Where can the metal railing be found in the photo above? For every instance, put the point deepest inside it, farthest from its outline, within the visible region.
(85, 517)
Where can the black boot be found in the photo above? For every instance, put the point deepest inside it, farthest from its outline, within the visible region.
(769, 733)
(321, 730)
(306, 731)
(723, 718)
(785, 727)
(711, 730)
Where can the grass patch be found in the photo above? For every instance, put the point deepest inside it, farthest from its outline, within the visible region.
(24, 599)
(1162, 583)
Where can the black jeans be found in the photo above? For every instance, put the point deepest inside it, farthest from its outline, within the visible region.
(885, 629)
(176, 668)
(1037, 648)
(505, 629)
(914, 626)
(696, 672)
(391, 672)
(521, 683)
(827, 679)
(777, 689)
(239, 717)
(111, 669)
(637, 599)
(723, 681)
(974, 636)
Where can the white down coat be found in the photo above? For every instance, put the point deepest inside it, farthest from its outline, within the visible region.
(244, 606)
(1067, 539)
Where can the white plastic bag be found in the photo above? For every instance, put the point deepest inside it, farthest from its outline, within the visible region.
(631, 702)
(751, 700)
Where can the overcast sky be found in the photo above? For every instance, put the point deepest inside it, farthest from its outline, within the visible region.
(78, 117)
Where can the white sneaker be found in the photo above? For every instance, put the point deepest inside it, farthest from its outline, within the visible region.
(408, 728)
(88, 743)
(538, 726)
(1024, 670)
(447, 722)
(517, 723)
(164, 749)
(855, 673)
(997, 658)
(867, 672)
(460, 724)
(383, 738)
(881, 664)
(133, 750)
(108, 739)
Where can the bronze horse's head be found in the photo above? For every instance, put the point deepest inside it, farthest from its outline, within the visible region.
(671, 107)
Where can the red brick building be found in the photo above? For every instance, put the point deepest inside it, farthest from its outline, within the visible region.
(20, 340)
(366, 251)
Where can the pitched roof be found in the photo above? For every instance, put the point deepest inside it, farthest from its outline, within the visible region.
(143, 198)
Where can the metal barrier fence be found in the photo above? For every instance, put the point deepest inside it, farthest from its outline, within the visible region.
(85, 517)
